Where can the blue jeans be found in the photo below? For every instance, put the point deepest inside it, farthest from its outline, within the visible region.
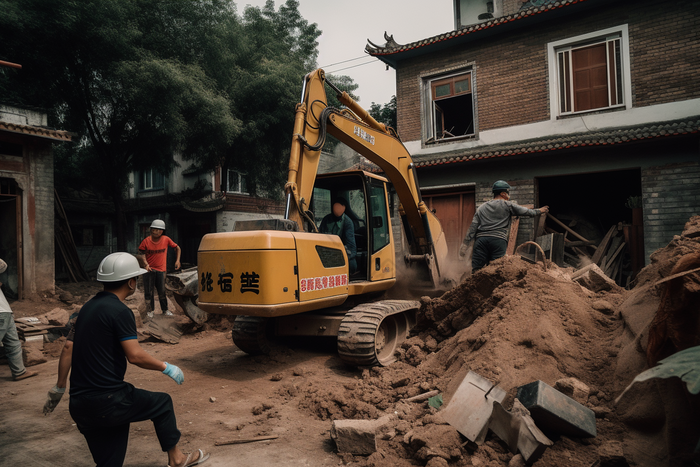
(486, 249)
(104, 420)
(151, 280)
(13, 347)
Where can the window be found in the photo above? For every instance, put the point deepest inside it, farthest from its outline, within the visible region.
(451, 107)
(591, 72)
(235, 182)
(151, 180)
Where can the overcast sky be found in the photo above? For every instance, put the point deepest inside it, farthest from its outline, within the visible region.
(347, 25)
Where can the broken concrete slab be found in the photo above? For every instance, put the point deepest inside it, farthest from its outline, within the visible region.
(357, 437)
(556, 413)
(519, 431)
(593, 278)
(573, 388)
(164, 328)
(470, 408)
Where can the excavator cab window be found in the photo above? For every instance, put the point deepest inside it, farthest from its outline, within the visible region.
(380, 221)
(352, 189)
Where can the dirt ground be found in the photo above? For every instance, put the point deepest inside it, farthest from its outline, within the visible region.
(512, 323)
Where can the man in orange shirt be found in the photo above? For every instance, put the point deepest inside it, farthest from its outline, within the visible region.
(153, 256)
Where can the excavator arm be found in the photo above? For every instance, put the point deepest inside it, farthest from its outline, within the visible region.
(375, 141)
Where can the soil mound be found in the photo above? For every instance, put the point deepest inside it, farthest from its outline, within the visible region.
(512, 323)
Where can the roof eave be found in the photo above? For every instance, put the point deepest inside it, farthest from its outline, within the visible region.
(475, 32)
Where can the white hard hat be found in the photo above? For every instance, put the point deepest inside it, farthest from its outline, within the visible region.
(158, 224)
(118, 267)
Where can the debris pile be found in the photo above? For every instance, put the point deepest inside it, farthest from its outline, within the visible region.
(513, 324)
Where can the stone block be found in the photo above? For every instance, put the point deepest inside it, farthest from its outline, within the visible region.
(357, 437)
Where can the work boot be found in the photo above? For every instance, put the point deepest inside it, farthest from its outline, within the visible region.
(167, 313)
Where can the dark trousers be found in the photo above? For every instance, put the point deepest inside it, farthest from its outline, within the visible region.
(151, 280)
(486, 249)
(104, 421)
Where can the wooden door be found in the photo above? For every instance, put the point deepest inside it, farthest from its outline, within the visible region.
(455, 211)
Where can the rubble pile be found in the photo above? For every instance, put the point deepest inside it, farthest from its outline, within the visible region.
(514, 323)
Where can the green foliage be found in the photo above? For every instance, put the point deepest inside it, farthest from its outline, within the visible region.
(634, 202)
(684, 365)
(138, 80)
(385, 114)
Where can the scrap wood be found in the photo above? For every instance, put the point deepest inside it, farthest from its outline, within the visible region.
(565, 227)
(422, 397)
(244, 440)
(598, 255)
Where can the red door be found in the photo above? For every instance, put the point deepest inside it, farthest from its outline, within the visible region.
(455, 211)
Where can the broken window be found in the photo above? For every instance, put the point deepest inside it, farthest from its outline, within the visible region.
(591, 72)
(452, 107)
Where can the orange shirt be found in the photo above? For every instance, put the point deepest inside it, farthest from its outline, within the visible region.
(156, 253)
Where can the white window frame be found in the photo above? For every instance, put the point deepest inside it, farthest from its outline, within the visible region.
(430, 130)
(148, 176)
(240, 177)
(553, 49)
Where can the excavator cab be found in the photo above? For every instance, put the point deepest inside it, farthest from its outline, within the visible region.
(368, 210)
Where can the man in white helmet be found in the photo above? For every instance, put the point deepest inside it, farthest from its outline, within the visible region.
(491, 226)
(153, 256)
(101, 343)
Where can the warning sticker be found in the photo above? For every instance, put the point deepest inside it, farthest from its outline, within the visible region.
(325, 282)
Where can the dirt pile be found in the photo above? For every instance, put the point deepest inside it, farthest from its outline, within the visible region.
(514, 323)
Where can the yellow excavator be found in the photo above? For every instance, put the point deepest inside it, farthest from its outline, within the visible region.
(282, 277)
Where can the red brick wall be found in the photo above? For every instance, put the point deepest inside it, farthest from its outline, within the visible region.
(511, 69)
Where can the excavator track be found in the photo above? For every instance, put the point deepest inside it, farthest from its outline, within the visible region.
(370, 333)
(250, 334)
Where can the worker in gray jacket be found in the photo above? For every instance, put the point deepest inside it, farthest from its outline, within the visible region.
(491, 226)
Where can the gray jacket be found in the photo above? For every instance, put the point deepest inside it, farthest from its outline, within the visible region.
(492, 219)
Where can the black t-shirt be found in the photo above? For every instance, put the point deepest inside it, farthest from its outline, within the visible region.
(99, 362)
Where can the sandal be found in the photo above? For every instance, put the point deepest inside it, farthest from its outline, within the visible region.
(25, 375)
(189, 462)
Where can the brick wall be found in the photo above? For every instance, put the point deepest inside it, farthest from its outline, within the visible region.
(511, 69)
(671, 194)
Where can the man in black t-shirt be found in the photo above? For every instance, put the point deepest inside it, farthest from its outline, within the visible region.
(101, 403)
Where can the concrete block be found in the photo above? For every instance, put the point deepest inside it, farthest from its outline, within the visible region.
(357, 437)
(593, 278)
(556, 413)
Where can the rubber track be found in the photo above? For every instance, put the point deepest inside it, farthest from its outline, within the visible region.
(250, 335)
(359, 327)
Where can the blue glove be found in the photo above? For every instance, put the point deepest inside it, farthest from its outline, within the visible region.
(174, 372)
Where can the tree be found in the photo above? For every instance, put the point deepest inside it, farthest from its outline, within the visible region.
(121, 75)
(385, 114)
(275, 50)
(141, 79)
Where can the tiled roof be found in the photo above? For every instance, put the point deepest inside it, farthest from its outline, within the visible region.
(529, 9)
(39, 132)
(560, 142)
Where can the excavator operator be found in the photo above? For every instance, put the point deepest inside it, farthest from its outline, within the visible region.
(338, 223)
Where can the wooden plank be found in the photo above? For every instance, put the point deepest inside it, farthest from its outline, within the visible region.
(541, 220)
(566, 227)
(514, 225)
(602, 246)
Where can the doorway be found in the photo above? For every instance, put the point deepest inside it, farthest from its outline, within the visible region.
(10, 238)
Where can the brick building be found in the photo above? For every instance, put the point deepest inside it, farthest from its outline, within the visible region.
(27, 201)
(582, 105)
